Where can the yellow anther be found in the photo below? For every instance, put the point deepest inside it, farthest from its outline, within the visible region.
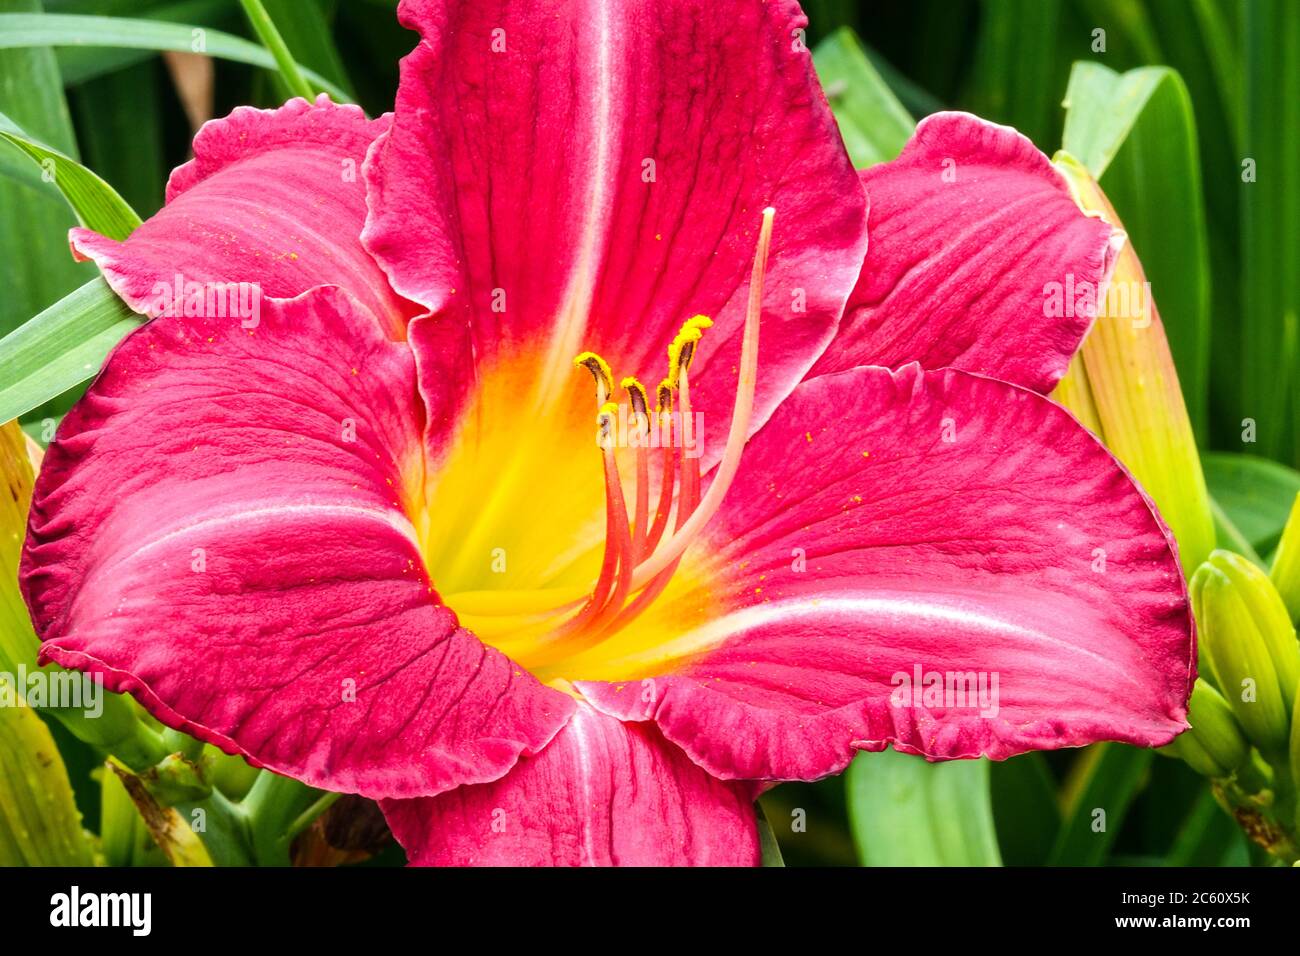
(637, 396)
(680, 353)
(682, 348)
(599, 370)
(664, 397)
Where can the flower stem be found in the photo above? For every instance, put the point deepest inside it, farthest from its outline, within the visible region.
(278, 809)
(271, 39)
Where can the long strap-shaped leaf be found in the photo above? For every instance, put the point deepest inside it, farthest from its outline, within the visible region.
(39, 822)
(1136, 134)
(907, 812)
(50, 29)
(97, 204)
(61, 347)
(874, 124)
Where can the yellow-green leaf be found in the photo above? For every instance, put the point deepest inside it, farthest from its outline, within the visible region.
(39, 821)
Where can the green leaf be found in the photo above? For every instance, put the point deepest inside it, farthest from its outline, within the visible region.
(1024, 808)
(1019, 67)
(1101, 788)
(875, 126)
(1102, 107)
(15, 165)
(96, 203)
(1270, 208)
(768, 847)
(116, 726)
(915, 99)
(905, 811)
(1256, 494)
(1228, 537)
(1128, 28)
(1205, 48)
(35, 266)
(1135, 132)
(138, 173)
(1207, 837)
(1285, 572)
(305, 27)
(39, 821)
(79, 65)
(24, 30)
(18, 642)
(61, 347)
(265, 28)
(1202, 40)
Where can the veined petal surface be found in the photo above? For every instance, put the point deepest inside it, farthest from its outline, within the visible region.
(932, 523)
(221, 529)
(980, 259)
(603, 793)
(272, 198)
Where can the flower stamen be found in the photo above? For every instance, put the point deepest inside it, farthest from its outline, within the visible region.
(741, 414)
(600, 371)
(668, 480)
(639, 561)
(637, 397)
(615, 570)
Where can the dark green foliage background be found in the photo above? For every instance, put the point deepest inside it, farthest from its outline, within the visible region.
(1007, 60)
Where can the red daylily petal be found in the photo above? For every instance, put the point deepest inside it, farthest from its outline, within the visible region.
(933, 520)
(603, 793)
(970, 227)
(272, 197)
(220, 529)
(570, 176)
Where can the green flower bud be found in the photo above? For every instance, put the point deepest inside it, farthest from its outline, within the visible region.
(1239, 655)
(1215, 728)
(1270, 616)
(1187, 749)
(1295, 751)
(1286, 564)
(1123, 385)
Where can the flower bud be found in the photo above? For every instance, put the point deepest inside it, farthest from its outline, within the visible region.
(1123, 386)
(1215, 729)
(1286, 564)
(1239, 656)
(1187, 749)
(1295, 751)
(1269, 615)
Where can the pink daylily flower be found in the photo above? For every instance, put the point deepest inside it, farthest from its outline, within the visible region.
(371, 542)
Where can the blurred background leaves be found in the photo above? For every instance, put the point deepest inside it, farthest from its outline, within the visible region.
(1187, 111)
